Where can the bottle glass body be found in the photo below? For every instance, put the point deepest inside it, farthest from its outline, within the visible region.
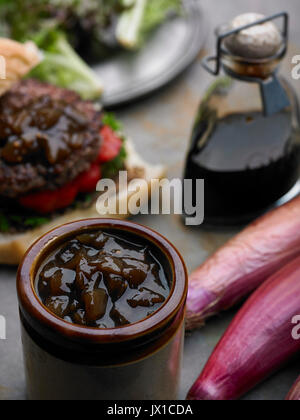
(249, 161)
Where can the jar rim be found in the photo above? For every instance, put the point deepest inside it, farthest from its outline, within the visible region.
(40, 318)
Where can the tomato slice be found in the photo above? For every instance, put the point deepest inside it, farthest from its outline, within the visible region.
(87, 182)
(42, 202)
(111, 145)
(66, 196)
(46, 202)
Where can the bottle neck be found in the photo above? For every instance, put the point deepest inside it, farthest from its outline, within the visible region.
(264, 73)
(258, 70)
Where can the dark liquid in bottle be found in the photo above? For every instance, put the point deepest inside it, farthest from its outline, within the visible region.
(248, 162)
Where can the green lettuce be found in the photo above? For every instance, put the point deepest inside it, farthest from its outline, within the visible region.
(41, 21)
(17, 222)
(111, 169)
(59, 28)
(110, 120)
(63, 67)
(136, 23)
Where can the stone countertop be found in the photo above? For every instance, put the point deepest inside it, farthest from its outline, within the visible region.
(160, 127)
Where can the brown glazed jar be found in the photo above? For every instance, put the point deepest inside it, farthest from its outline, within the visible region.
(64, 361)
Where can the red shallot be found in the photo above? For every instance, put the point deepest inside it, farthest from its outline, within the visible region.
(294, 394)
(258, 342)
(244, 263)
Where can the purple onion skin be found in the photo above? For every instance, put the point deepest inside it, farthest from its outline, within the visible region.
(257, 343)
(244, 263)
(294, 394)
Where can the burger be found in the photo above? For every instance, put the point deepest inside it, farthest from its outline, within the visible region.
(54, 149)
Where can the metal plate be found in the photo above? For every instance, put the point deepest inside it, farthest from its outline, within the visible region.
(170, 50)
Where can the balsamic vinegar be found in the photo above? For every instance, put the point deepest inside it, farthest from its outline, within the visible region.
(248, 162)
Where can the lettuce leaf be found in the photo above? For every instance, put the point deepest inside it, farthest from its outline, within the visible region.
(157, 11)
(4, 223)
(136, 23)
(110, 120)
(10, 222)
(63, 67)
(41, 21)
(111, 169)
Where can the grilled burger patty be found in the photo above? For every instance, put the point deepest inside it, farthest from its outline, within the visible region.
(48, 136)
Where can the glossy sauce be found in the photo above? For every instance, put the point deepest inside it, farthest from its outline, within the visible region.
(49, 125)
(103, 280)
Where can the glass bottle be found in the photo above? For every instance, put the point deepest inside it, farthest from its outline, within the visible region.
(246, 139)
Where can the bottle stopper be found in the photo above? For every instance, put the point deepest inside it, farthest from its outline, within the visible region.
(256, 42)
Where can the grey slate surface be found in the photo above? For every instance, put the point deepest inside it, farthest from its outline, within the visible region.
(160, 127)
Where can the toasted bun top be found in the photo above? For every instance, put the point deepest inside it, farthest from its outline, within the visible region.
(17, 60)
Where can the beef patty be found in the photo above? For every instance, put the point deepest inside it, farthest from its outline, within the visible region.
(48, 136)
